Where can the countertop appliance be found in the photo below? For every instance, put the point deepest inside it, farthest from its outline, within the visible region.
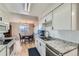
(41, 33)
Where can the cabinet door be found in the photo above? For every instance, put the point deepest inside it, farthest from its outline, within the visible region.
(43, 49)
(62, 17)
(43, 20)
(3, 52)
(36, 42)
(49, 17)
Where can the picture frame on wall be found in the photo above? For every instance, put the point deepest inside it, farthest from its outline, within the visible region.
(0, 18)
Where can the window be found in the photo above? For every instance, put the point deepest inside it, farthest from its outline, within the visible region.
(24, 28)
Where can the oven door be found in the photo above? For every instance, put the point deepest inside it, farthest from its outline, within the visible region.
(49, 52)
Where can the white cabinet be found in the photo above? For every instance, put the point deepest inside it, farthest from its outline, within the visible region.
(4, 27)
(66, 17)
(49, 17)
(40, 45)
(75, 16)
(62, 17)
(3, 51)
(48, 21)
(42, 48)
(43, 20)
(37, 43)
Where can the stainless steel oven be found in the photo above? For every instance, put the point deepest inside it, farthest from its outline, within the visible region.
(50, 51)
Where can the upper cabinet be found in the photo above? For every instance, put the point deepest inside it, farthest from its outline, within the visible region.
(75, 16)
(62, 17)
(4, 27)
(66, 17)
(4, 23)
(48, 17)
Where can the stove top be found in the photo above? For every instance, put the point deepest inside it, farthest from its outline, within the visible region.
(6, 41)
(61, 46)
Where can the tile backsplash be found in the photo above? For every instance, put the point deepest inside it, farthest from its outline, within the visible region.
(71, 36)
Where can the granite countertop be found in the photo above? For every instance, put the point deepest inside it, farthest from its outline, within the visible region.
(61, 46)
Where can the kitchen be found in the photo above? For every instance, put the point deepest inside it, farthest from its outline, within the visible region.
(53, 31)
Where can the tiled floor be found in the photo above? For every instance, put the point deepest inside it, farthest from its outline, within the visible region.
(22, 48)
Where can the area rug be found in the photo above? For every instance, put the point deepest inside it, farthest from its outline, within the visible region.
(33, 52)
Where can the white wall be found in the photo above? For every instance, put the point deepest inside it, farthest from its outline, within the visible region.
(16, 29)
(19, 18)
(71, 36)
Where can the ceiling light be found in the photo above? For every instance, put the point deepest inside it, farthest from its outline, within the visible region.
(27, 7)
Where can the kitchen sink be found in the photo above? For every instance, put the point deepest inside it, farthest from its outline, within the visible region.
(47, 38)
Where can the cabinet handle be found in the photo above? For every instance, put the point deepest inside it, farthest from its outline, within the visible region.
(52, 28)
(40, 44)
(45, 21)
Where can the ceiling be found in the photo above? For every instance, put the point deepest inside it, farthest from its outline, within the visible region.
(36, 9)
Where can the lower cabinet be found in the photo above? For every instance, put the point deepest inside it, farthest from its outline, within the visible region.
(42, 48)
(3, 52)
(40, 45)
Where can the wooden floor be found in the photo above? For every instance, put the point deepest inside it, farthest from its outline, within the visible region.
(22, 48)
